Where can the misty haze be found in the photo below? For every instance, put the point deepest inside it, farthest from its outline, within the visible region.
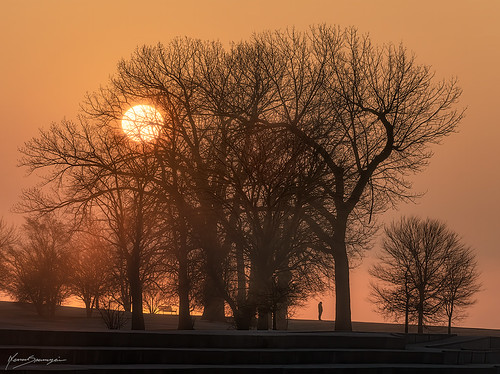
(305, 192)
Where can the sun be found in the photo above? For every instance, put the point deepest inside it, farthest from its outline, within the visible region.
(142, 123)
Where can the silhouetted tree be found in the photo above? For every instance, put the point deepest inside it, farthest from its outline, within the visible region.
(7, 235)
(395, 297)
(370, 111)
(461, 283)
(423, 269)
(37, 267)
(155, 298)
(7, 241)
(168, 78)
(270, 181)
(91, 264)
(99, 168)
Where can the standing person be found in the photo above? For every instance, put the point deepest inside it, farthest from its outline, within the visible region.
(320, 310)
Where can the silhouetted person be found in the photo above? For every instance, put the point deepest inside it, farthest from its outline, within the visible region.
(320, 310)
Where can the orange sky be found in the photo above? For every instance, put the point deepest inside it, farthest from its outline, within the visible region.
(52, 52)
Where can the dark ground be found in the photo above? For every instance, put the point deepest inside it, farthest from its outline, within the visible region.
(22, 316)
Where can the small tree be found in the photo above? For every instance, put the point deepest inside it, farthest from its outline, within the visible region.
(424, 271)
(394, 300)
(7, 241)
(91, 268)
(37, 268)
(461, 284)
(114, 318)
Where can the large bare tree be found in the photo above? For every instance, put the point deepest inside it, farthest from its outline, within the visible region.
(370, 111)
(168, 78)
(97, 168)
(270, 182)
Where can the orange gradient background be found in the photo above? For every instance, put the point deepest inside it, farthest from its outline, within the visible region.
(53, 52)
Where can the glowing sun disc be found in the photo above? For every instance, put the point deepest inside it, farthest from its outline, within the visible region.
(142, 123)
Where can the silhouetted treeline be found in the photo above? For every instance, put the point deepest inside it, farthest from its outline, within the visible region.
(274, 158)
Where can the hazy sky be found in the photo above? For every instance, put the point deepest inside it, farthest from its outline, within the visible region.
(53, 52)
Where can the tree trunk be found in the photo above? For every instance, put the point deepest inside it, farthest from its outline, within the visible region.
(243, 317)
(406, 315)
(420, 323)
(274, 318)
(51, 310)
(88, 307)
(282, 317)
(281, 309)
(125, 295)
(213, 308)
(240, 269)
(39, 309)
(185, 321)
(263, 320)
(136, 291)
(127, 305)
(407, 302)
(241, 292)
(342, 286)
(245, 313)
(450, 316)
(421, 313)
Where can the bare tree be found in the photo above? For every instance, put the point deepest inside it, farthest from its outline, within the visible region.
(156, 299)
(196, 85)
(7, 235)
(395, 297)
(168, 77)
(461, 283)
(7, 241)
(424, 270)
(371, 112)
(99, 169)
(270, 182)
(37, 268)
(91, 264)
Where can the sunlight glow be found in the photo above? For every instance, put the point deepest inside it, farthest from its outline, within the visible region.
(142, 123)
